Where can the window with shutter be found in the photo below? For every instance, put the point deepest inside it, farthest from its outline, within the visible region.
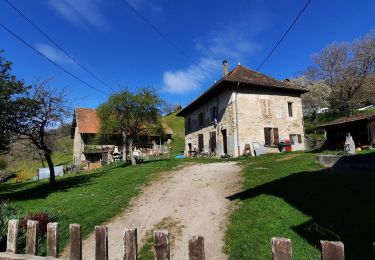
(266, 108)
(299, 139)
(267, 136)
(290, 109)
(271, 136)
(276, 136)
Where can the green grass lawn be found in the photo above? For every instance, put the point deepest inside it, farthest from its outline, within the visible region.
(88, 199)
(296, 199)
(178, 126)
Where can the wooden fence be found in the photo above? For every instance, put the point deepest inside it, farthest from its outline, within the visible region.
(281, 247)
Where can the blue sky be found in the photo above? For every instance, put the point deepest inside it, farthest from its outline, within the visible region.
(121, 49)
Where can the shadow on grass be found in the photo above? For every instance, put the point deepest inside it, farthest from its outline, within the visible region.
(38, 190)
(340, 203)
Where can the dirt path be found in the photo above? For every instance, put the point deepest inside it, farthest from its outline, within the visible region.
(190, 201)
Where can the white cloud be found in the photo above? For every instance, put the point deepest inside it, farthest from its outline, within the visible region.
(82, 13)
(182, 81)
(230, 44)
(53, 53)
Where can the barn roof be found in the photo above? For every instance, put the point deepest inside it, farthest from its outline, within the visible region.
(349, 119)
(247, 79)
(87, 121)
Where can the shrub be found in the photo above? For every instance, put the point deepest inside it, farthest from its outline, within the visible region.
(43, 219)
(7, 212)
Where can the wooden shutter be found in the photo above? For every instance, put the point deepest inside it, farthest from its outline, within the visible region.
(267, 136)
(276, 136)
(291, 139)
(268, 107)
(299, 139)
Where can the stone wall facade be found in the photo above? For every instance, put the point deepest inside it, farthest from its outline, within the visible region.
(257, 109)
(78, 146)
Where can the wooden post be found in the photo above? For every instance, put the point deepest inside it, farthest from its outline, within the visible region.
(101, 245)
(75, 242)
(31, 239)
(161, 245)
(332, 250)
(281, 248)
(52, 242)
(196, 248)
(12, 236)
(130, 244)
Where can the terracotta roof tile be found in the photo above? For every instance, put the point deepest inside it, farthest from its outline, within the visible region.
(245, 75)
(88, 121)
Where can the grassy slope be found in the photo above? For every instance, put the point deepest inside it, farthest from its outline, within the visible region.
(89, 199)
(28, 168)
(177, 125)
(298, 200)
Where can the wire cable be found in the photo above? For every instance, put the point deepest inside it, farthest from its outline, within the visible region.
(54, 63)
(58, 46)
(162, 35)
(284, 35)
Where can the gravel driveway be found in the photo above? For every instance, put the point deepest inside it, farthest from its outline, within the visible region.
(189, 201)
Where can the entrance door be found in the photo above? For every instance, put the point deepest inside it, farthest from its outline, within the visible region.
(225, 145)
(212, 142)
(200, 143)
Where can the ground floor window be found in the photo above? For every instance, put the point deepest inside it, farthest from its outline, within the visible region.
(295, 139)
(271, 136)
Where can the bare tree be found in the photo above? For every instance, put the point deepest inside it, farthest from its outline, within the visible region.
(318, 95)
(348, 69)
(35, 115)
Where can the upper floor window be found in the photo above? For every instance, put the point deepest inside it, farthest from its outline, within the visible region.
(266, 107)
(213, 113)
(201, 119)
(189, 124)
(290, 109)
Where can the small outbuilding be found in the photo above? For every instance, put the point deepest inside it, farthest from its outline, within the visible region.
(361, 127)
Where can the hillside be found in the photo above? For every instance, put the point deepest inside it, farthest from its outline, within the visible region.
(26, 166)
(177, 125)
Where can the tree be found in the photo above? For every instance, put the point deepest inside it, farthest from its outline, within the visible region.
(34, 115)
(10, 86)
(169, 108)
(130, 113)
(348, 69)
(318, 95)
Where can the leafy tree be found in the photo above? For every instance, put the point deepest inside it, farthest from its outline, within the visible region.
(130, 113)
(348, 69)
(10, 86)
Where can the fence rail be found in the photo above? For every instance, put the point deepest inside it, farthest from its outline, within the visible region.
(281, 247)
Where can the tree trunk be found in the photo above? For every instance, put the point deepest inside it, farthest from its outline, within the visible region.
(131, 152)
(124, 159)
(52, 177)
(42, 159)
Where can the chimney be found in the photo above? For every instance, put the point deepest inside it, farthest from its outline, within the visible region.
(225, 68)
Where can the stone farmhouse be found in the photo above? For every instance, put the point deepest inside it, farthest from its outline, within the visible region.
(86, 126)
(245, 112)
